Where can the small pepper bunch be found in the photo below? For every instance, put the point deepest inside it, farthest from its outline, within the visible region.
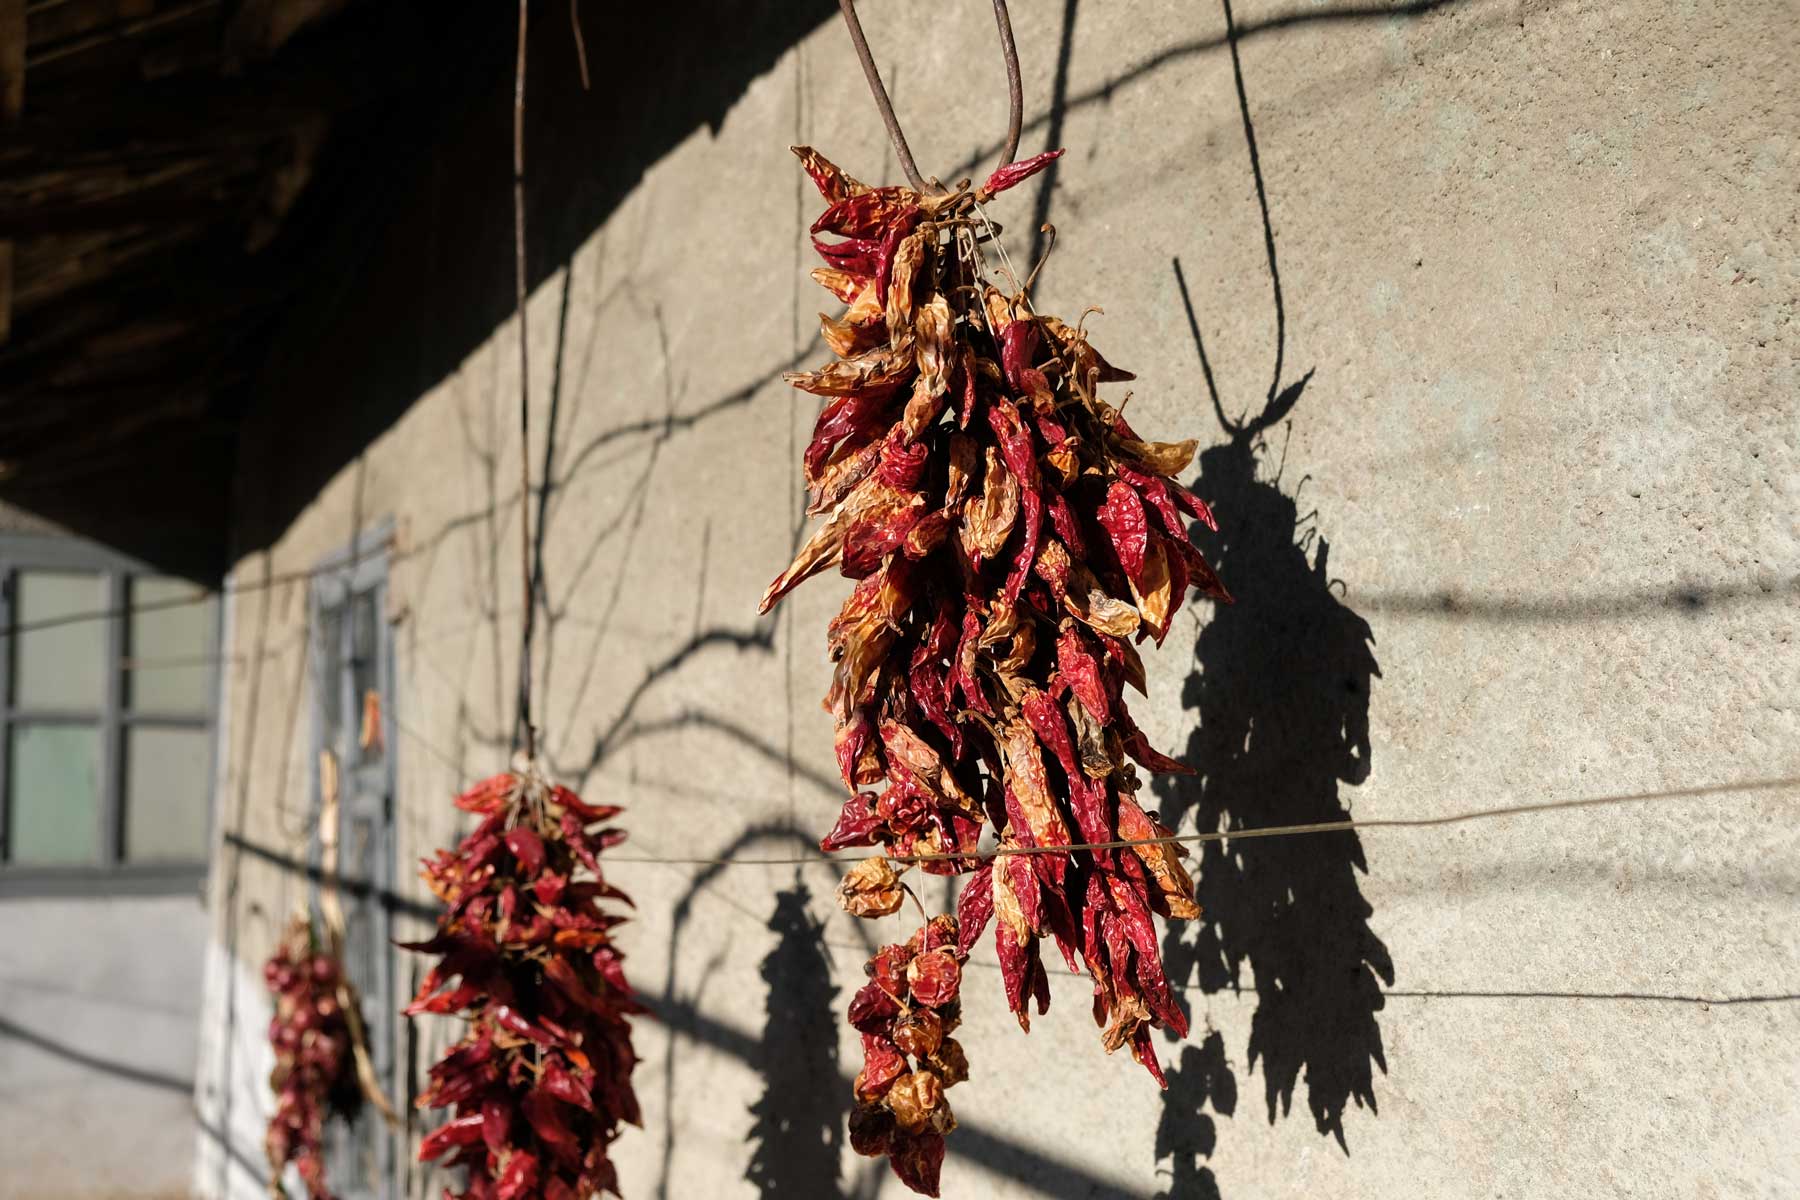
(541, 1079)
(313, 1075)
(1012, 539)
(905, 1014)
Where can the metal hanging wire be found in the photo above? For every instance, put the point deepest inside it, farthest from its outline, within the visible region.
(1744, 787)
(527, 733)
(1015, 93)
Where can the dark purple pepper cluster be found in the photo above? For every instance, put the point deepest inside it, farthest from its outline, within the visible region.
(314, 1076)
(906, 1013)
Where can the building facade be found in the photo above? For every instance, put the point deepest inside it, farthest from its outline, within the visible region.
(106, 765)
(1483, 316)
(1508, 283)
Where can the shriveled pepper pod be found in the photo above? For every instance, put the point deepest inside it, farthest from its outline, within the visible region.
(905, 1014)
(1013, 540)
(314, 1075)
(540, 1082)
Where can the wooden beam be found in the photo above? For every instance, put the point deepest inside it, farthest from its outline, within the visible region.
(12, 59)
(6, 280)
(205, 198)
(12, 104)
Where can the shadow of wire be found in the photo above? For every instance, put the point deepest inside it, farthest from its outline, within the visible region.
(13, 1031)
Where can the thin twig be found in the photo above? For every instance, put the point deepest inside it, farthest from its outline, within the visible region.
(527, 732)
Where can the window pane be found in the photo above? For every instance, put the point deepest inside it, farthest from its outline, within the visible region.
(365, 960)
(60, 669)
(165, 794)
(171, 630)
(54, 795)
(365, 674)
(331, 674)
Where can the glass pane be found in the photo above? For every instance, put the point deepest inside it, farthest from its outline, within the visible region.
(356, 857)
(331, 674)
(170, 647)
(365, 675)
(356, 1167)
(165, 794)
(59, 669)
(54, 792)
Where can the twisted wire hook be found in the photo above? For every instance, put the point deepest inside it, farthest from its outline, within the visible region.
(1014, 88)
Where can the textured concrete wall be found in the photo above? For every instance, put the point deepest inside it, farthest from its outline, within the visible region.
(1519, 278)
(99, 1008)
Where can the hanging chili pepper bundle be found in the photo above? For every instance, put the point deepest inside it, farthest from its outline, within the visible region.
(313, 1075)
(906, 1013)
(1013, 539)
(541, 1080)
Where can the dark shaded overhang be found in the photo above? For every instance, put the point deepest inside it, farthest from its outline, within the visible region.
(223, 224)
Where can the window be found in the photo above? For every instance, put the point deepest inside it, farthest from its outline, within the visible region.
(108, 673)
(353, 720)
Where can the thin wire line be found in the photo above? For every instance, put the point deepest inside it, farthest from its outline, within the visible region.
(431, 748)
(130, 663)
(1014, 90)
(261, 584)
(859, 950)
(1269, 831)
(526, 732)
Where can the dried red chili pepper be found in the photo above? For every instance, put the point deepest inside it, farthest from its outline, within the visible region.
(906, 1013)
(1011, 536)
(1013, 174)
(541, 1081)
(314, 1076)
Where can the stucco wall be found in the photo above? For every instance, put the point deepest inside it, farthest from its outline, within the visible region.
(1527, 532)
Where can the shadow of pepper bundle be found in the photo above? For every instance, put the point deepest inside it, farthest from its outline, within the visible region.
(542, 1078)
(313, 1075)
(1012, 538)
(907, 1011)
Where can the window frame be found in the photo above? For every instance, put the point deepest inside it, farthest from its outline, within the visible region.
(115, 875)
(362, 568)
